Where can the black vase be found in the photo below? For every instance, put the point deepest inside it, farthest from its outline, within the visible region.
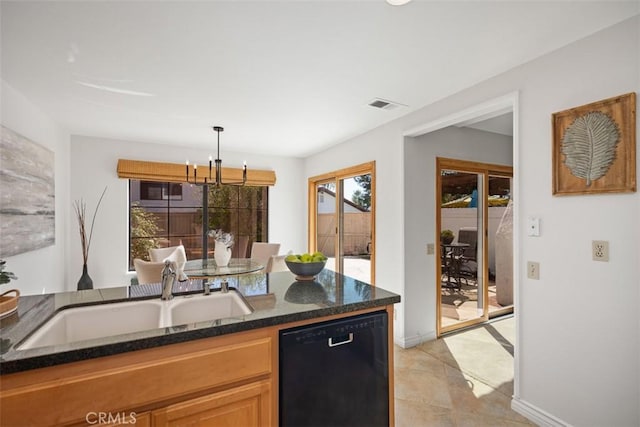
(85, 281)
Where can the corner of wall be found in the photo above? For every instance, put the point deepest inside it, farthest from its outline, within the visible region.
(42, 270)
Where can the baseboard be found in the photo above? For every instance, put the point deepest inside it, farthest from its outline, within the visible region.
(408, 342)
(536, 415)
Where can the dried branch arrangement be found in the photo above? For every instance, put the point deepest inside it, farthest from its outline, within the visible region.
(81, 207)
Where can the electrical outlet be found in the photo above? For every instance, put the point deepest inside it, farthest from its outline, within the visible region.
(430, 249)
(600, 250)
(533, 270)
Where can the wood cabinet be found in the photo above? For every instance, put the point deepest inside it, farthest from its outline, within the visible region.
(247, 405)
(215, 369)
(230, 380)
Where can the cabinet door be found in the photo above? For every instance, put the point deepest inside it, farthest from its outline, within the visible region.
(247, 405)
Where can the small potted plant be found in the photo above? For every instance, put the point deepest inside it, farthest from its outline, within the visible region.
(446, 236)
(8, 304)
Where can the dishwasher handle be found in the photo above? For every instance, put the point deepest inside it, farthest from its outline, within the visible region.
(347, 341)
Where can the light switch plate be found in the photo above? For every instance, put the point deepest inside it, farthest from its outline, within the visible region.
(533, 226)
(600, 250)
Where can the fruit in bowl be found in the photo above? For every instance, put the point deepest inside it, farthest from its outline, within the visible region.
(306, 265)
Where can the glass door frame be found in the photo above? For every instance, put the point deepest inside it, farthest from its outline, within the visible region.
(486, 170)
(368, 168)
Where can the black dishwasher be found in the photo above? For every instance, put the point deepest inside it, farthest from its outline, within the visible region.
(335, 373)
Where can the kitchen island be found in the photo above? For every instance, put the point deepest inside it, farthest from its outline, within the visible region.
(223, 368)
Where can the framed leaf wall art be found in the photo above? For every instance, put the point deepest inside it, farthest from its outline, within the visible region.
(594, 147)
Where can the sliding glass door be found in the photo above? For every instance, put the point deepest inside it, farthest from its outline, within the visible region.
(475, 229)
(462, 278)
(342, 220)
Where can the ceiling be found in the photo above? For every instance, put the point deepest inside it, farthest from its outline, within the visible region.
(283, 77)
(500, 123)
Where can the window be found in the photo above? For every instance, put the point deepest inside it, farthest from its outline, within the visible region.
(165, 214)
(160, 191)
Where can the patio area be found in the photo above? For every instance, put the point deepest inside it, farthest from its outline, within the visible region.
(459, 305)
(357, 267)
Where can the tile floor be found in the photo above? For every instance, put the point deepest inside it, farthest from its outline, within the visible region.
(463, 379)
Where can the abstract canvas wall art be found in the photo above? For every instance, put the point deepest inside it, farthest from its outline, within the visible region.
(27, 195)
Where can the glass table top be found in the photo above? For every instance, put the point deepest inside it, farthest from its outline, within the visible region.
(203, 268)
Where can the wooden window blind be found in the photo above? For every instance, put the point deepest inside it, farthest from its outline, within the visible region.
(175, 172)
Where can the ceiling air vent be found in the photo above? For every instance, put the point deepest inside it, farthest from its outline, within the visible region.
(384, 104)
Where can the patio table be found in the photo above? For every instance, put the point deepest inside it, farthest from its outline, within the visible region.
(451, 258)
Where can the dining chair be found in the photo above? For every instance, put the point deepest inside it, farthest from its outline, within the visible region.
(148, 271)
(240, 247)
(262, 253)
(176, 254)
(276, 263)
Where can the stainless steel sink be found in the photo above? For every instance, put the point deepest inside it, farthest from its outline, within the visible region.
(105, 320)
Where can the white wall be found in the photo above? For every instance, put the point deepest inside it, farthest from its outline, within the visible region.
(42, 270)
(578, 325)
(383, 146)
(577, 349)
(93, 166)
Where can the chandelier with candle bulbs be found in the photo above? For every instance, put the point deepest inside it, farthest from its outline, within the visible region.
(215, 169)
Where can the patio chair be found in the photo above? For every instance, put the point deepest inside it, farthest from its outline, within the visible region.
(276, 263)
(469, 257)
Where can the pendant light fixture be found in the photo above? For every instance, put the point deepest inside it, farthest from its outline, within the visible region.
(215, 169)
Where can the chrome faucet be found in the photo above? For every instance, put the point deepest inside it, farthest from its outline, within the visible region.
(224, 286)
(168, 279)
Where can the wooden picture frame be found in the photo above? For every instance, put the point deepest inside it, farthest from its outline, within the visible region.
(594, 147)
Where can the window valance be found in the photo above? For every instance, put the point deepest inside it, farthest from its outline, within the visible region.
(175, 172)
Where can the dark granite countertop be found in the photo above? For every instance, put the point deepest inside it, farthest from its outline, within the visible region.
(276, 298)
